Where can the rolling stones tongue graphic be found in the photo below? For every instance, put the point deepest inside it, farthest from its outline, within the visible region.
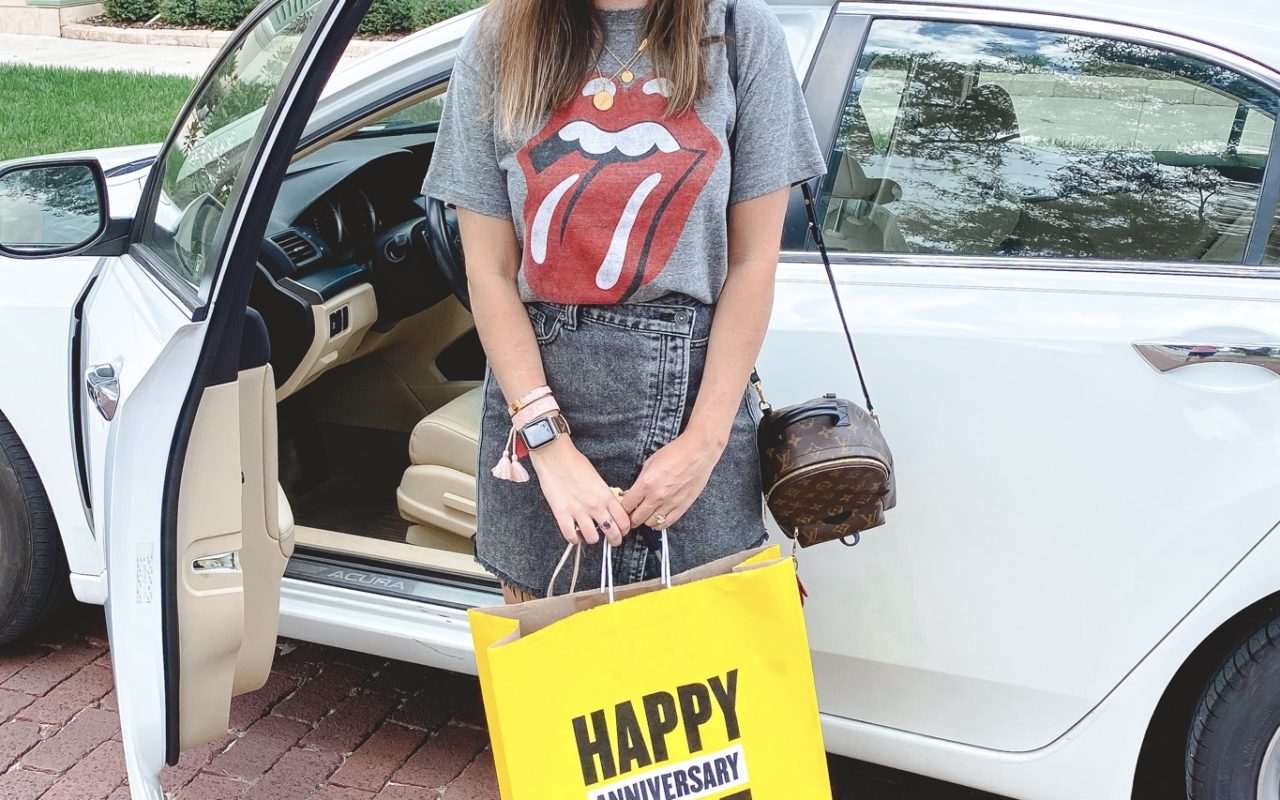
(609, 192)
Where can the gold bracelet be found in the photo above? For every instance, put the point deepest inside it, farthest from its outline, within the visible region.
(528, 397)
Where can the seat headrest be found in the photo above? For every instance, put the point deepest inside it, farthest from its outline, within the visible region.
(984, 115)
(988, 115)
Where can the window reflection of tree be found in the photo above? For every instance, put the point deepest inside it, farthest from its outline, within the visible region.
(213, 162)
(972, 182)
(948, 149)
(217, 132)
(54, 206)
(68, 191)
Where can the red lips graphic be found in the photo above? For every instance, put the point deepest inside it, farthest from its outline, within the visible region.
(609, 193)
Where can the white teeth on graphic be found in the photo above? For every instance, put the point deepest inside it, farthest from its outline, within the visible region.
(634, 140)
(596, 84)
(611, 266)
(660, 86)
(542, 219)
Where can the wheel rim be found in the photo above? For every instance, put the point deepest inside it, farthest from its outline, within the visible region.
(1269, 776)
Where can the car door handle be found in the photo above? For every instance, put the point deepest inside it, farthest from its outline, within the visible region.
(1168, 357)
(103, 386)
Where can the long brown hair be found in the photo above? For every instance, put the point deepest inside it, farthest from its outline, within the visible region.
(543, 48)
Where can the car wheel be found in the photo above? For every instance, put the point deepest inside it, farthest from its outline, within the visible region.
(33, 568)
(1233, 746)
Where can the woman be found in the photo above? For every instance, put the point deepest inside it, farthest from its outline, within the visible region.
(620, 207)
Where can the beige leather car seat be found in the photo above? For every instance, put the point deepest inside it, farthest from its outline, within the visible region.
(438, 489)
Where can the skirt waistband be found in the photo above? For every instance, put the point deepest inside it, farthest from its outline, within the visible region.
(673, 314)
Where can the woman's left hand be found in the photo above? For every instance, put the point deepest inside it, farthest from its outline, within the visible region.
(670, 480)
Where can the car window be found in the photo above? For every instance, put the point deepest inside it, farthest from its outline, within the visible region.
(423, 115)
(998, 141)
(201, 166)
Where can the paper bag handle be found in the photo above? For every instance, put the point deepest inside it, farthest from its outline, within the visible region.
(576, 549)
(606, 567)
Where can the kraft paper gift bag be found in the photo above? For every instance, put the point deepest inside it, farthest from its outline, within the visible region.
(700, 690)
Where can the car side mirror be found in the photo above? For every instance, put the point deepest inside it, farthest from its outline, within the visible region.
(51, 208)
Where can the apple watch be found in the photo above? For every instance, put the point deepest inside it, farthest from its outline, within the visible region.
(543, 430)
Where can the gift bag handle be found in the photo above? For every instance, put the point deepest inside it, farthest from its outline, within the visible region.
(606, 567)
(576, 549)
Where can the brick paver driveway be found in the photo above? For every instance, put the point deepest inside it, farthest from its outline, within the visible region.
(329, 725)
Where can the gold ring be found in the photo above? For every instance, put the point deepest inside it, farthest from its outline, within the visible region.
(659, 518)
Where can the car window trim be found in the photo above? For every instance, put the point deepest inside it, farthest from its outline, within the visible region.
(181, 292)
(1086, 26)
(1268, 193)
(826, 88)
(1205, 269)
(1255, 249)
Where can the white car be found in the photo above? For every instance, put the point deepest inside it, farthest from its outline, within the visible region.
(245, 397)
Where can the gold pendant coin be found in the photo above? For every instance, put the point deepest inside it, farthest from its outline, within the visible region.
(628, 76)
(603, 100)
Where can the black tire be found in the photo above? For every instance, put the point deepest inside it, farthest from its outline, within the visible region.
(1236, 720)
(34, 582)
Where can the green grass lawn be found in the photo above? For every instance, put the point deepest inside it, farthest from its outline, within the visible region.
(51, 110)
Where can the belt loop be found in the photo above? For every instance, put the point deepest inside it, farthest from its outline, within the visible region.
(569, 316)
(562, 315)
(687, 319)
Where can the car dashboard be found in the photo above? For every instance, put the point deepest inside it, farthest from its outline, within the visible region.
(345, 252)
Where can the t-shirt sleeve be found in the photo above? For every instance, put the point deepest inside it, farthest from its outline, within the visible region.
(775, 144)
(464, 168)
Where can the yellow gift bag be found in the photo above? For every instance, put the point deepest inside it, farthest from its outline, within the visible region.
(700, 690)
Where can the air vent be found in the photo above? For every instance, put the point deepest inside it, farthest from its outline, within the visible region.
(296, 247)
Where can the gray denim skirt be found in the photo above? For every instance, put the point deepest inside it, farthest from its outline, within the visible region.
(626, 377)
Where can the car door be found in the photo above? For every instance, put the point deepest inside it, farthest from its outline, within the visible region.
(1051, 238)
(179, 406)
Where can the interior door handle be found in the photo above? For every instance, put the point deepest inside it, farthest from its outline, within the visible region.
(1167, 357)
(103, 386)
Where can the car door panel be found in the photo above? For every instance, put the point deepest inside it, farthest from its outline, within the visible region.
(1059, 497)
(181, 448)
(132, 469)
(212, 565)
(36, 302)
(266, 524)
(137, 319)
(1063, 504)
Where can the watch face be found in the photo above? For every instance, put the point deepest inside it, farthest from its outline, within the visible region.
(538, 433)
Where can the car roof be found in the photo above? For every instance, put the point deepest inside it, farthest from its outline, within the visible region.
(1250, 28)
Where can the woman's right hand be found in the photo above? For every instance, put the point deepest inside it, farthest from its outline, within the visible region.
(579, 498)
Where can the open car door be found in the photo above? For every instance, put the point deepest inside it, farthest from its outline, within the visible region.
(178, 410)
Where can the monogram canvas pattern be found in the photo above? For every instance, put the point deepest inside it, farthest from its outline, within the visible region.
(823, 479)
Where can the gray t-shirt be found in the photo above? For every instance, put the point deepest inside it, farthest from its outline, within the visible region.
(626, 204)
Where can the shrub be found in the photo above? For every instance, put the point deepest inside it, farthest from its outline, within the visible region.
(388, 16)
(434, 11)
(179, 12)
(223, 13)
(383, 17)
(394, 16)
(129, 10)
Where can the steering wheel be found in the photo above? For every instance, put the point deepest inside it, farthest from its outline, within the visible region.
(445, 243)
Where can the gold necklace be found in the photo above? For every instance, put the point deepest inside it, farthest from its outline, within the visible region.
(626, 74)
(602, 99)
